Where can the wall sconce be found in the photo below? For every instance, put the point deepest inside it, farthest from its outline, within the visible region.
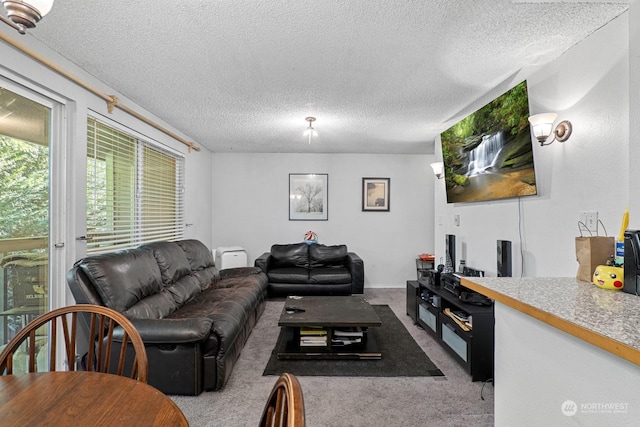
(542, 127)
(25, 14)
(438, 169)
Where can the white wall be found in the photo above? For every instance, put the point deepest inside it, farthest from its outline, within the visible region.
(589, 86)
(634, 111)
(251, 208)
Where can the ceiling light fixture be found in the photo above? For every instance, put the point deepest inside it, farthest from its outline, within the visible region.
(310, 131)
(542, 127)
(25, 14)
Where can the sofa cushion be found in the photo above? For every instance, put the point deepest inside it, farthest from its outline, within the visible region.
(228, 308)
(123, 278)
(206, 277)
(184, 290)
(258, 282)
(326, 256)
(288, 275)
(198, 255)
(156, 306)
(292, 255)
(329, 275)
(171, 259)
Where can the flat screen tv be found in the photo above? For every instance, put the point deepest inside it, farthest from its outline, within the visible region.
(488, 155)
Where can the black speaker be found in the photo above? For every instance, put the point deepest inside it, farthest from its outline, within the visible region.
(450, 253)
(413, 288)
(433, 277)
(504, 258)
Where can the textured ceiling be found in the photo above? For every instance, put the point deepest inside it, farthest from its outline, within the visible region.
(382, 76)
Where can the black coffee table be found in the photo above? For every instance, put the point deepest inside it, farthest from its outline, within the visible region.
(342, 320)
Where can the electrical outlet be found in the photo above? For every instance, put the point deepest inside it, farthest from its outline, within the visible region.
(590, 221)
(456, 219)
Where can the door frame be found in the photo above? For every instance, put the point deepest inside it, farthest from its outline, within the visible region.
(58, 155)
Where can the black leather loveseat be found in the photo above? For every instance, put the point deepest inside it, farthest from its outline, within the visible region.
(193, 319)
(312, 269)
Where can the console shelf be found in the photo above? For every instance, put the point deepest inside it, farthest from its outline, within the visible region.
(473, 348)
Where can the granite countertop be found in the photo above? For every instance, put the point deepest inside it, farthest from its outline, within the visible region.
(606, 318)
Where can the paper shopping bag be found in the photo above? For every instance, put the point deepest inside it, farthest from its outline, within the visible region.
(592, 252)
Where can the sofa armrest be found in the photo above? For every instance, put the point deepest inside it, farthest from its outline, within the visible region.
(263, 262)
(356, 268)
(229, 273)
(171, 331)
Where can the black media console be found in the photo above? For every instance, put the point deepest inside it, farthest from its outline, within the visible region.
(437, 310)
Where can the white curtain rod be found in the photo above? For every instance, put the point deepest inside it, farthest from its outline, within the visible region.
(112, 100)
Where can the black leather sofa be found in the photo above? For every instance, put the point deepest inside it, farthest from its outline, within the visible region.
(193, 319)
(312, 269)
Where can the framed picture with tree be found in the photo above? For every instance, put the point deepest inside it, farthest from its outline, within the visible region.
(308, 196)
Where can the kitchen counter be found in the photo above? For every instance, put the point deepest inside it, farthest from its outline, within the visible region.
(605, 318)
(564, 349)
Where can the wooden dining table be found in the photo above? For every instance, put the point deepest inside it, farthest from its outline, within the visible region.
(83, 399)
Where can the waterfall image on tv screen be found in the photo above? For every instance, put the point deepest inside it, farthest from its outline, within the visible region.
(488, 155)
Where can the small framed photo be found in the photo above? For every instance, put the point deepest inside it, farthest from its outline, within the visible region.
(308, 197)
(376, 194)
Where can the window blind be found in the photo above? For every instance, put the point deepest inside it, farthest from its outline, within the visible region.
(135, 191)
(162, 188)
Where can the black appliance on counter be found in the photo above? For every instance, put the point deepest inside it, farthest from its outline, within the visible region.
(632, 262)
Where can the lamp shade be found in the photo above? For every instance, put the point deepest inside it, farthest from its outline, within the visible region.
(43, 6)
(542, 125)
(27, 13)
(310, 132)
(438, 169)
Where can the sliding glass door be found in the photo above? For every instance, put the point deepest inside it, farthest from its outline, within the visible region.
(25, 183)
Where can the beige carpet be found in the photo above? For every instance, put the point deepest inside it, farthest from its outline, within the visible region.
(451, 401)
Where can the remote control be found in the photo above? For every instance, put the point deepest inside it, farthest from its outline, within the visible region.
(293, 309)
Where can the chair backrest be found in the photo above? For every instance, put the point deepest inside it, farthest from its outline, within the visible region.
(105, 327)
(285, 407)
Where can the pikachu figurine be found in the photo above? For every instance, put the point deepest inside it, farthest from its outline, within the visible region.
(609, 277)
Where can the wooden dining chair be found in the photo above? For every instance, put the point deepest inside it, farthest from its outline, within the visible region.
(104, 332)
(285, 407)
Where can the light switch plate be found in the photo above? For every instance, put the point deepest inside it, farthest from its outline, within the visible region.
(590, 221)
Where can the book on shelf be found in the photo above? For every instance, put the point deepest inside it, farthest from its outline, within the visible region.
(313, 331)
(461, 315)
(464, 324)
(313, 344)
(313, 340)
(349, 332)
(346, 341)
(321, 338)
